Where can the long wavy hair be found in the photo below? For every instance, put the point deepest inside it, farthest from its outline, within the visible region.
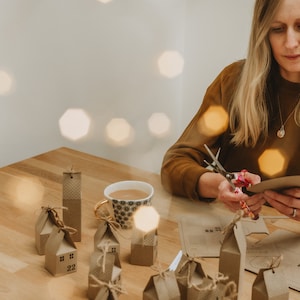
(249, 115)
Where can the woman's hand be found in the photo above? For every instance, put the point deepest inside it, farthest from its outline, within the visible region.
(234, 199)
(286, 202)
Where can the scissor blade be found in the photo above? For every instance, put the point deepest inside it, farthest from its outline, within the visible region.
(215, 158)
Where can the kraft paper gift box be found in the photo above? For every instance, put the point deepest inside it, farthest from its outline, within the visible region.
(105, 268)
(60, 252)
(72, 201)
(189, 272)
(99, 290)
(233, 253)
(105, 236)
(270, 284)
(43, 228)
(143, 248)
(162, 286)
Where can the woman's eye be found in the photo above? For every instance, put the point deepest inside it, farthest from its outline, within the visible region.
(277, 29)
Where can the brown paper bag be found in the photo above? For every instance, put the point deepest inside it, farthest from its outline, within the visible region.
(72, 200)
(162, 287)
(189, 272)
(270, 284)
(60, 252)
(233, 253)
(106, 236)
(104, 270)
(143, 248)
(43, 228)
(100, 290)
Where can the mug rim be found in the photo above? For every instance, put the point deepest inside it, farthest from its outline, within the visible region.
(109, 189)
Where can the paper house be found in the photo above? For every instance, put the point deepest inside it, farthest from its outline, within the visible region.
(60, 253)
(143, 248)
(105, 238)
(105, 268)
(43, 228)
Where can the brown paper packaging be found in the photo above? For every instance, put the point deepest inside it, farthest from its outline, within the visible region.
(105, 293)
(100, 290)
(60, 253)
(270, 284)
(143, 248)
(109, 272)
(43, 229)
(162, 287)
(72, 200)
(188, 272)
(233, 255)
(105, 237)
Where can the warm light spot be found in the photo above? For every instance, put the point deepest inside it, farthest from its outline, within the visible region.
(146, 218)
(170, 64)
(159, 124)
(104, 1)
(6, 83)
(25, 192)
(272, 162)
(119, 132)
(74, 123)
(214, 121)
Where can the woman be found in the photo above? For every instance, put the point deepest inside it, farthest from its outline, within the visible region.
(255, 112)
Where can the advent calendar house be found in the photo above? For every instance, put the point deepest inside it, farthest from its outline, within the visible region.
(60, 253)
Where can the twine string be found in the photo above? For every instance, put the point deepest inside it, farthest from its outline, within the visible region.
(237, 217)
(111, 286)
(101, 260)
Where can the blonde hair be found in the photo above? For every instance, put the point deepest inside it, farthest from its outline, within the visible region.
(249, 115)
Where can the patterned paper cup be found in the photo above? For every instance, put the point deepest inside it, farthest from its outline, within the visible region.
(126, 197)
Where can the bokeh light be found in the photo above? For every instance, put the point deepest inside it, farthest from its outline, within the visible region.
(170, 64)
(74, 123)
(119, 132)
(159, 125)
(104, 1)
(272, 162)
(6, 83)
(25, 192)
(146, 218)
(214, 121)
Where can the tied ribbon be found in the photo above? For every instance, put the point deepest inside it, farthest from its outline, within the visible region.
(161, 272)
(54, 215)
(56, 219)
(187, 265)
(236, 218)
(230, 291)
(114, 225)
(117, 288)
(101, 260)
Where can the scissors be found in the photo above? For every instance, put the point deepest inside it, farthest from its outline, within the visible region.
(229, 176)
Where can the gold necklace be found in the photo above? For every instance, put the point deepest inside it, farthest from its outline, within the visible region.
(281, 130)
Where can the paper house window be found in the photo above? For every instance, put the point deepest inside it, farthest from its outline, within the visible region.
(62, 258)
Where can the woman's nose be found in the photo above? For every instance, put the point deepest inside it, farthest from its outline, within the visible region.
(292, 39)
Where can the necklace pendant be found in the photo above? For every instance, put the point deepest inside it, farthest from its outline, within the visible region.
(281, 132)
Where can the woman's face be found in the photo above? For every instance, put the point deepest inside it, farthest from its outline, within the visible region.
(284, 38)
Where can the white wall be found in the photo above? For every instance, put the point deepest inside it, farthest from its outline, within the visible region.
(103, 58)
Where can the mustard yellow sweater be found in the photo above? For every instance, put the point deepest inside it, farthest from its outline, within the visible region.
(183, 163)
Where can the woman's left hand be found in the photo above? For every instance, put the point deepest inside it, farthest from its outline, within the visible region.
(286, 202)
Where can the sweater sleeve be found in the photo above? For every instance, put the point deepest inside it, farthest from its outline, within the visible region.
(183, 163)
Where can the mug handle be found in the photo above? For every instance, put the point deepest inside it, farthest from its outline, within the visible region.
(97, 208)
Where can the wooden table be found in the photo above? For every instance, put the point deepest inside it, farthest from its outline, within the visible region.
(27, 185)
